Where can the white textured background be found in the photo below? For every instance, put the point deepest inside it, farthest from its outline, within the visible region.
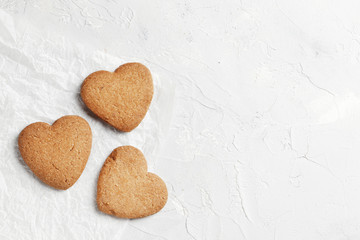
(255, 124)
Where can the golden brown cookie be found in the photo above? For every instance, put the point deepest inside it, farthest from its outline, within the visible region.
(57, 154)
(125, 189)
(120, 98)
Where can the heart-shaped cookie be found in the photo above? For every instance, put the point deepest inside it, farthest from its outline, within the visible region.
(57, 154)
(125, 189)
(120, 98)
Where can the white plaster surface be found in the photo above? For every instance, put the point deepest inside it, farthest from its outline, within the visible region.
(254, 127)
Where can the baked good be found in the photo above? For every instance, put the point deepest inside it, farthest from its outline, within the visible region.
(125, 189)
(57, 154)
(120, 98)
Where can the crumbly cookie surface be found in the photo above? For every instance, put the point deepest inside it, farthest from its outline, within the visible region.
(125, 189)
(57, 154)
(120, 98)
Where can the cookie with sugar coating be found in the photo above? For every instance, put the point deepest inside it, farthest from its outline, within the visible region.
(57, 154)
(125, 189)
(120, 98)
